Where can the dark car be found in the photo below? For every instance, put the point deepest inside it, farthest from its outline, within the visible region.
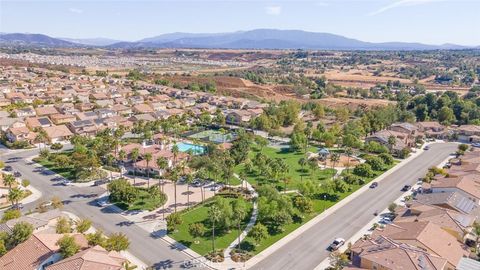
(18, 206)
(426, 148)
(336, 244)
(374, 185)
(8, 168)
(406, 188)
(17, 174)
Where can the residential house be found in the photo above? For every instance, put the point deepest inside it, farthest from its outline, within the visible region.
(46, 111)
(433, 129)
(382, 253)
(142, 109)
(83, 127)
(60, 118)
(20, 134)
(468, 185)
(25, 112)
(451, 200)
(38, 122)
(94, 258)
(37, 252)
(58, 133)
(427, 236)
(468, 133)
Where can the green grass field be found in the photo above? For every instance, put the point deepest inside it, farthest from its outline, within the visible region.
(143, 202)
(199, 214)
(319, 206)
(65, 171)
(295, 173)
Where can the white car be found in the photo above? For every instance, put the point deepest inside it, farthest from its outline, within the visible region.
(336, 244)
(66, 182)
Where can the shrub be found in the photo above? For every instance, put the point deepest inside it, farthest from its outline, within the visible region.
(10, 214)
(258, 232)
(364, 170)
(303, 204)
(173, 220)
(463, 147)
(56, 146)
(25, 183)
(67, 246)
(375, 162)
(387, 158)
(63, 225)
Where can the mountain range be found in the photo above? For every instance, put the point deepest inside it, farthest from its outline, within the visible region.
(253, 39)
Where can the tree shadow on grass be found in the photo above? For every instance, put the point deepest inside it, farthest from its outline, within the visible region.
(247, 246)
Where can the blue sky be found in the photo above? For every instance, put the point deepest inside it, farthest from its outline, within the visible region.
(427, 21)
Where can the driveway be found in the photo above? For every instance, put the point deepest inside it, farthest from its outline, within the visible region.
(80, 201)
(309, 249)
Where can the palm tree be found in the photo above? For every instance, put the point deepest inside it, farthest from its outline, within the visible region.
(313, 164)
(302, 162)
(391, 142)
(134, 157)
(174, 176)
(188, 181)
(148, 158)
(162, 164)
(9, 180)
(14, 195)
(334, 158)
(214, 215)
(41, 137)
(122, 155)
(175, 152)
(349, 153)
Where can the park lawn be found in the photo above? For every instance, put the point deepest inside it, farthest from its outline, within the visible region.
(319, 205)
(65, 171)
(295, 172)
(143, 202)
(199, 214)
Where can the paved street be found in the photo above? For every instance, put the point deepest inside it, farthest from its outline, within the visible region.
(79, 200)
(309, 249)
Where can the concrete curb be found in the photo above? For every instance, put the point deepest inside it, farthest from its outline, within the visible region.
(280, 243)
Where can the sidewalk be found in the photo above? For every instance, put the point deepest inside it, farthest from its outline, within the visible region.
(280, 243)
(129, 256)
(366, 230)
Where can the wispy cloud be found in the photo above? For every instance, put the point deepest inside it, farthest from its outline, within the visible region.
(402, 3)
(273, 10)
(75, 10)
(322, 4)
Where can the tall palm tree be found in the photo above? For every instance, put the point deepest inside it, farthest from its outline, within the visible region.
(174, 176)
(334, 158)
(391, 142)
(15, 195)
(188, 181)
(302, 162)
(349, 153)
(122, 155)
(214, 215)
(313, 165)
(162, 164)
(175, 152)
(134, 157)
(8, 180)
(148, 158)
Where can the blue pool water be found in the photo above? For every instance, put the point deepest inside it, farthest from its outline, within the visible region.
(196, 149)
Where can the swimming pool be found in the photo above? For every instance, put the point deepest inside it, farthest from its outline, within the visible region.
(196, 149)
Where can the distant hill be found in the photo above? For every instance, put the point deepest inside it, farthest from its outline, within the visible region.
(273, 39)
(92, 41)
(254, 39)
(34, 40)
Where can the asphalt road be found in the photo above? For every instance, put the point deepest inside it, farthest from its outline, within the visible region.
(80, 201)
(309, 249)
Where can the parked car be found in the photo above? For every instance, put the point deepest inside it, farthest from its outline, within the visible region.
(66, 182)
(101, 202)
(100, 182)
(216, 187)
(426, 148)
(374, 185)
(8, 168)
(386, 220)
(17, 174)
(18, 206)
(476, 144)
(336, 244)
(197, 183)
(406, 188)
